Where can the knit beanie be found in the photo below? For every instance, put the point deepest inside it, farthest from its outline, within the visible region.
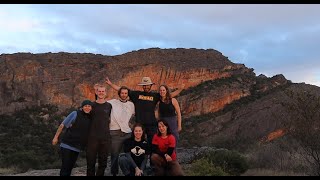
(86, 102)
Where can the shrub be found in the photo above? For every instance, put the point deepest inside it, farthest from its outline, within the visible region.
(203, 167)
(25, 140)
(230, 161)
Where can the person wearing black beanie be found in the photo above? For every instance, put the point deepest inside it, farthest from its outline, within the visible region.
(75, 138)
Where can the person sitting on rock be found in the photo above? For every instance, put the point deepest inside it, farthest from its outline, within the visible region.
(134, 159)
(164, 156)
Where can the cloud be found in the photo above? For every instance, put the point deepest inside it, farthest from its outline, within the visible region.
(269, 38)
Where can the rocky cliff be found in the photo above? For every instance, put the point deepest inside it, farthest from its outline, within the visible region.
(66, 79)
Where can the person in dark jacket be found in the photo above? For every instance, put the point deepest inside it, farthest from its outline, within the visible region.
(75, 137)
(133, 160)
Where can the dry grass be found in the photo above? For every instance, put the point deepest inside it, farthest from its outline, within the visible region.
(8, 171)
(269, 172)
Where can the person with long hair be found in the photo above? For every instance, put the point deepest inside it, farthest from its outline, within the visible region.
(164, 156)
(169, 110)
(134, 159)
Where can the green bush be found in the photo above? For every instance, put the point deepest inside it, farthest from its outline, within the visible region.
(25, 140)
(203, 167)
(231, 162)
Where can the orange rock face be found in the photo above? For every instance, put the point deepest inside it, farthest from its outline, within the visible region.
(210, 104)
(274, 135)
(66, 79)
(172, 78)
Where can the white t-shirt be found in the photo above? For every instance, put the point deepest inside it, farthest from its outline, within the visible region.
(120, 115)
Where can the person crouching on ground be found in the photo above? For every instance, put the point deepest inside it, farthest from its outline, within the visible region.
(134, 159)
(164, 156)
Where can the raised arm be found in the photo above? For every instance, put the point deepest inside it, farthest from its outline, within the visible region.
(177, 92)
(115, 87)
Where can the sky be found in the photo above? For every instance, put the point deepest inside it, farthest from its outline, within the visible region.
(271, 39)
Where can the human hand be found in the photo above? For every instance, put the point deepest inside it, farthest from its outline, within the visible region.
(168, 158)
(179, 129)
(54, 141)
(138, 172)
(108, 81)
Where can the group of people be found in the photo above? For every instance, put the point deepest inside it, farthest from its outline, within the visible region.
(143, 124)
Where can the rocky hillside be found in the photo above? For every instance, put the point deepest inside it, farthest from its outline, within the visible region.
(223, 104)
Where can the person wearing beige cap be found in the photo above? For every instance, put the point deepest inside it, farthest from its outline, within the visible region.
(145, 104)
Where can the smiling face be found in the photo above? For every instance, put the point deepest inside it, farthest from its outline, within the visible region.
(101, 92)
(163, 91)
(124, 94)
(138, 132)
(146, 88)
(162, 128)
(87, 108)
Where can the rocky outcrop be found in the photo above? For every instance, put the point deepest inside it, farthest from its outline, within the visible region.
(253, 120)
(212, 102)
(65, 79)
(273, 135)
(264, 84)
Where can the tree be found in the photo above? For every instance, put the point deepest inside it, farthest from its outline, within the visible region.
(303, 125)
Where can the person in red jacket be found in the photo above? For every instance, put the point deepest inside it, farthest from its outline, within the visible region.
(164, 156)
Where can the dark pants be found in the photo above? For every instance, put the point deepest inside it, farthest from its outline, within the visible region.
(117, 139)
(164, 168)
(69, 159)
(101, 149)
(150, 132)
